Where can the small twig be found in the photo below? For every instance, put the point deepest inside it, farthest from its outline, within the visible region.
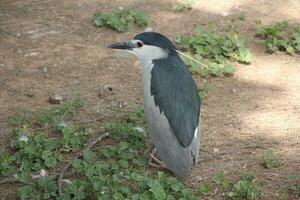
(9, 180)
(86, 121)
(17, 180)
(88, 147)
(118, 109)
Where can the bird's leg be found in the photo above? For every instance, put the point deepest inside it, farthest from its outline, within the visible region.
(159, 164)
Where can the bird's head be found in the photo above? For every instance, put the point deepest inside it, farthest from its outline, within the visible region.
(147, 46)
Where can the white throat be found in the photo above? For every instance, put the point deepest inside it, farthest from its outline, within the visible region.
(147, 53)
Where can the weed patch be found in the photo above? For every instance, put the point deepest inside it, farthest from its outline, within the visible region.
(219, 178)
(117, 171)
(184, 6)
(203, 190)
(245, 189)
(270, 161)
(24, 9)
(294, 184)
(214, 49)
(276, 37)
(121, 20)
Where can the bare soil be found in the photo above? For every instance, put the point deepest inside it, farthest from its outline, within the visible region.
(51, 47)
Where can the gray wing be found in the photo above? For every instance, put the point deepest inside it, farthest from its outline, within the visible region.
(175, 93)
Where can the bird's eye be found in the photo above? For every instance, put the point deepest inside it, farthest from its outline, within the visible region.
(140, 44)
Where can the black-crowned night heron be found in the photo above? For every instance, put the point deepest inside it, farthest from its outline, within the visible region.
(171, 101)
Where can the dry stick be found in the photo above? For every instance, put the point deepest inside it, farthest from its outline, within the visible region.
(17, 180)
(118, 109)
(88, 147)
(9, 180)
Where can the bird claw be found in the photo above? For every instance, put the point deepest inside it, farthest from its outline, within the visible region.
(159, 164)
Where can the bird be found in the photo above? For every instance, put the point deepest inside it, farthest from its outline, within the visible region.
(171, 101)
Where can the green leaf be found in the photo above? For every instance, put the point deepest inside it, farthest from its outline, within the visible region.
(51, 159)
(120, 20)
(219, 178)
(77, 188)
(123, 146)
(124, 163)
(26, 192)
(24, 176)
(244, 56)
(243, 189)
(203, 189)
(89, 156)
(290, 50)
(229, 68)
(6, 164)
(157, 190)
(97, 20)
(48, 185)
(77, 164)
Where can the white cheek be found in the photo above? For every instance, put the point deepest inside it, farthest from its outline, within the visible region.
(132, 52)
(148, 52)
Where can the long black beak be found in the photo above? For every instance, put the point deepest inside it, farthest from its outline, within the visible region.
(122, 45)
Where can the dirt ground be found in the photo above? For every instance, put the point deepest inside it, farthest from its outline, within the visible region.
(51, 47)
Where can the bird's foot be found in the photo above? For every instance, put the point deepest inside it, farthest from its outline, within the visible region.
(158, 163)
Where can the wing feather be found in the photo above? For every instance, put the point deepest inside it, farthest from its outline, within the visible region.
(176, 95)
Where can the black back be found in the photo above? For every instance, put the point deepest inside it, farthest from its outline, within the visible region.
(176, 95)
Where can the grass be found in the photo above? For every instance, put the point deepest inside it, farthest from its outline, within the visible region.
(294, 187)
(215, 49)
(24, 9)
(184, 5)
(1, 30)
(117, 171)
(245, 189)
(270, 160)
(205, 88)
(219, 178)
(121, 20)
(276, 37)
(203, 189)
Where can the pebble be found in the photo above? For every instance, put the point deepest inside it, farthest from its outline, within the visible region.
(148, 29)
(31, 54)
(23, 138)
(139, 129)
(55, 99)
(105, 91)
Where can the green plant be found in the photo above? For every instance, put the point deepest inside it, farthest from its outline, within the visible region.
(120, 172)
(42, 188)
(202, 189)
(219, 178)
(184, 6)
(242, 16)
(270, 161)
(214, 49)
(277, 38)
(6, 164)
(36, 152)
(34, 148)
(295, 40)
(121, 20)
(117, 171)
(294, 184)
(137, 116)
(1, 29)
(205, 88)
(245, 189)
(24, 9)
